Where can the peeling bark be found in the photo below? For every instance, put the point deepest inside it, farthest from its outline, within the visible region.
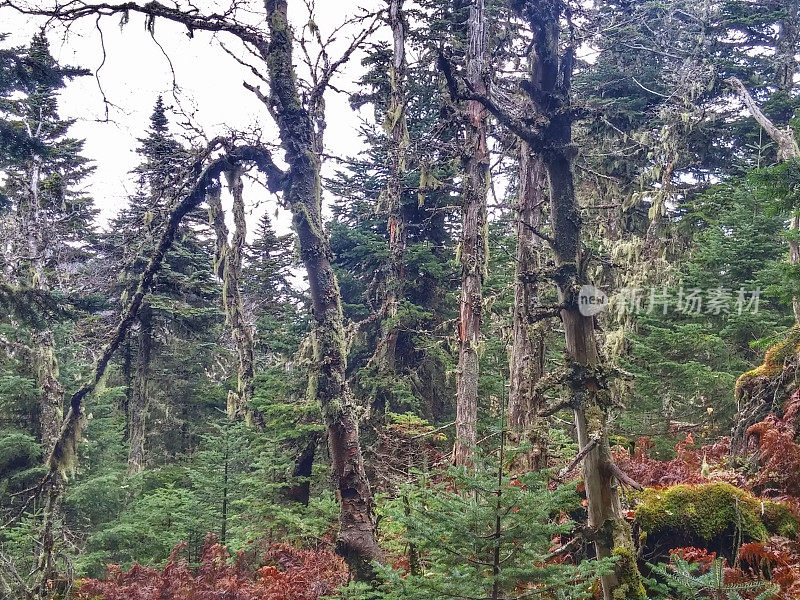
(528, 337)
(473, 247)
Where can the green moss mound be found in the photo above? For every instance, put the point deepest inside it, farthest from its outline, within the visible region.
(714, 514)
(774, 359)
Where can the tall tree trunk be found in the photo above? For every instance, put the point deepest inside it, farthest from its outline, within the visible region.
(550, 82)
(528, 336)
(302, 192)
(228, 267)
(397, 130)
(587, 393)
(474, 251)
(140, 397)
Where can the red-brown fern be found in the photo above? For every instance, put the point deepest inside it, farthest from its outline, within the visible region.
(290, 574)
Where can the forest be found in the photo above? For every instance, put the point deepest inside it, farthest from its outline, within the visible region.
(535, 334)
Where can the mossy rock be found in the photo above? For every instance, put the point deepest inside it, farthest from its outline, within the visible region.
(716, 516)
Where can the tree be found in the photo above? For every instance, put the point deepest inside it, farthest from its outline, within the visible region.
(301, 126)
(473, 244)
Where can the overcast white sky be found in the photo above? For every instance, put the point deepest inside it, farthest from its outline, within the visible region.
(136, 71)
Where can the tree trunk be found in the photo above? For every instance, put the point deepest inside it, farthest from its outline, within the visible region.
(228, 267)
(474, 251)
(397, 129)
(551, 73)
(587, 394)
(140, 398)
(300, 489)
(527, 350)
(302, 192)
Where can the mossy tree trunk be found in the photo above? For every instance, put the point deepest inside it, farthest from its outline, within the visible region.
(525, 402)
(302, 144)
(228, 267)
(473, 244)
(550, 92)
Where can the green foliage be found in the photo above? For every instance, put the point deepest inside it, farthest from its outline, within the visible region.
(682, 577)
(478, 530)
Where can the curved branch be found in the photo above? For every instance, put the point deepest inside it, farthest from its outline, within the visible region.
(535, 141)
(787, 146)
(68, 435)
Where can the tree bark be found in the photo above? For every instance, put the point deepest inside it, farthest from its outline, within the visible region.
(228, 267)
(302, 192)
(528, 336)
(140, 396)
(397, 130)
(473, 247)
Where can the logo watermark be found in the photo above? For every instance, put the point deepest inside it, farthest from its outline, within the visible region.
(687, 301)
(591, 300)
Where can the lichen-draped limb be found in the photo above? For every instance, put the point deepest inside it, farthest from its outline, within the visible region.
(228, 267)
(63, 455)
(65, 446)
(301, 137)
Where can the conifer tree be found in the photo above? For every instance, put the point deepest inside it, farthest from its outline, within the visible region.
(177, 308)
(49, 229)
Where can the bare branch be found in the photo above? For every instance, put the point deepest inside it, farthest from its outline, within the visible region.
(787, 146)
(579, 457)
(623, 477)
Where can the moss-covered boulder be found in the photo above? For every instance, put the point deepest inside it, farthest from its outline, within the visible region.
(717, 516)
